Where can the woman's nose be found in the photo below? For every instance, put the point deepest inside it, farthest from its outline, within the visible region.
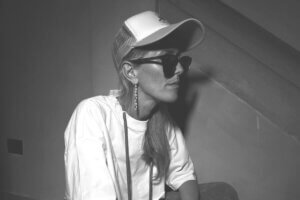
(179, 69)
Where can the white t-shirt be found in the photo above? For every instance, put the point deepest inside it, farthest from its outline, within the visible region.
(95, 160)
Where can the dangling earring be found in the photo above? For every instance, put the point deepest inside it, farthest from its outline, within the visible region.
(136, 103)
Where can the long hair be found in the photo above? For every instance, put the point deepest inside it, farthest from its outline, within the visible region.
(156, 144)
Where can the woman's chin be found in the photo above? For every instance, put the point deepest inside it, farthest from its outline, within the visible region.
(170, 97)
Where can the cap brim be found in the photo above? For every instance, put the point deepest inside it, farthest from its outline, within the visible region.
(184, 36)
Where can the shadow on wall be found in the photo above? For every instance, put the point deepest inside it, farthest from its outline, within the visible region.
(182, 109)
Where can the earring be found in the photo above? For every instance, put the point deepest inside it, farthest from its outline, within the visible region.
(136, 104)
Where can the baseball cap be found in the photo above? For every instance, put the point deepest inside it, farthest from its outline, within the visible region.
(148, 31)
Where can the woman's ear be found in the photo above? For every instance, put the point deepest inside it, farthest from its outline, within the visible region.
(129, 72)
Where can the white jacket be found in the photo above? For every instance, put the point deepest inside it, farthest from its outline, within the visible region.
(95, 160)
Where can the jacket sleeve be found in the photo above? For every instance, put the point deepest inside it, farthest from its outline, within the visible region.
(181, 167)
(87, 175)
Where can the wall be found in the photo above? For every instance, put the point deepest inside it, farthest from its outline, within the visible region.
(242, 104)
(281, 18)
(53, 54)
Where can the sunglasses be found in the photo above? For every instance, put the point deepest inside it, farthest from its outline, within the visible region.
(169, 63)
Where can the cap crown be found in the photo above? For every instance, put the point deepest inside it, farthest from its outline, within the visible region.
(144, 24)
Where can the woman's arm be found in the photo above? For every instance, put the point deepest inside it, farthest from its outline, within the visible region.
(189, 190)
(181, 174)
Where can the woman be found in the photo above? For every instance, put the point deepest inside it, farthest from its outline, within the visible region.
(125, 145)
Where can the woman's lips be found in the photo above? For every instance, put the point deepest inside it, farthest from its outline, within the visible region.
(174, 84)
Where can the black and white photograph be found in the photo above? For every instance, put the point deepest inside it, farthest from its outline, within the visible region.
(150, 100)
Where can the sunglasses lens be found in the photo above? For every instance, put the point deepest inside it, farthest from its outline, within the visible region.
(169, 65)
(185, 62)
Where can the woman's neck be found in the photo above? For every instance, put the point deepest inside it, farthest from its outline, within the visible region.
(146, 107)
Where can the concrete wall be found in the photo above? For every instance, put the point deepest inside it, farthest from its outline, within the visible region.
(243, 117)
(281, 18)
(241, 113)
